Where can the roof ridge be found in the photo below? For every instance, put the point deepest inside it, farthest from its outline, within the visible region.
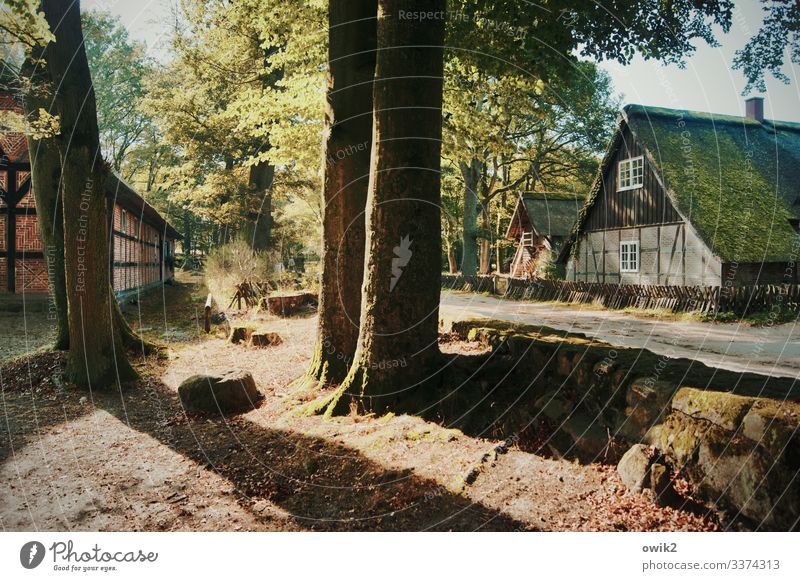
(633, 109)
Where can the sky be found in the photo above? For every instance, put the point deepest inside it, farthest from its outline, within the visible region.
(707, 83)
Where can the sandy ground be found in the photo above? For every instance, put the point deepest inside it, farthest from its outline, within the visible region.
(767, 350)
(132, 459)
(23, 332)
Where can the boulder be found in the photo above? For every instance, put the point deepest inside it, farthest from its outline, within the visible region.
(736, 452)
(718, 407)
(647, 401)
(263, 339)
(233, 391)
(634, 468)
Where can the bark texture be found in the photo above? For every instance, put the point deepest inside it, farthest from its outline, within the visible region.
(472, 176)
(398, 353)
(96, 356)
(259, 223)
(348, 141)
(45, 176)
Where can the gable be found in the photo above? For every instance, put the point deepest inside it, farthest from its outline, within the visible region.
(613, 208)
(730, 177)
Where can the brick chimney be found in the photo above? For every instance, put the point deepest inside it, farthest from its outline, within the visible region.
(754, 108)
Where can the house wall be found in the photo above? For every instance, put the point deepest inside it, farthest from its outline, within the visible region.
(137, 252)
(137, 247)
(648, 205)
(668, 255)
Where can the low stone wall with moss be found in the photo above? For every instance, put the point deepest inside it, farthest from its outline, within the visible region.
(565, 395)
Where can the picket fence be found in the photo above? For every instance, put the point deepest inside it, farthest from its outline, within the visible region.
(705, 299)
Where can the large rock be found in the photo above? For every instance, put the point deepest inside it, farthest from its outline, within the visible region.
(723, 409)
(233, 391)
(634, 468)
(736, 452)
(647, 401)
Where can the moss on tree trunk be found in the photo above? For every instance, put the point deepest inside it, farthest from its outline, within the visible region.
(348, 141)
(398, 354)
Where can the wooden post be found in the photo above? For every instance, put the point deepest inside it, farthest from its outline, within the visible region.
(208, 314)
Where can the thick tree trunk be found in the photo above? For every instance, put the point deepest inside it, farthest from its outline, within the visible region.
(259, 223)
(486, 243)
(398, 352)
(96, 357)
(45, 177)
(348, 134)
(471, 174)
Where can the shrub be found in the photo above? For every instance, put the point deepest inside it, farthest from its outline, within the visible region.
(232, 264)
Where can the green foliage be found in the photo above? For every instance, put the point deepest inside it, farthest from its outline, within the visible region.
(119, 67)
(765, 51)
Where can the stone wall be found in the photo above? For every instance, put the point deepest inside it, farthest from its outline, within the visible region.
(568, 396)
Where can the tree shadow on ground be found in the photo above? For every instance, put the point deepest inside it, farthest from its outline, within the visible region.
(322, 484)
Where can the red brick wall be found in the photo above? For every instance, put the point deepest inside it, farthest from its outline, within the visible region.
(144, 251)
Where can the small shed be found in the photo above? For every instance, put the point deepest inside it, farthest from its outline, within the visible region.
(541, 223)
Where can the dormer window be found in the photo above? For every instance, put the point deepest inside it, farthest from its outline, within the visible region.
(630, 174)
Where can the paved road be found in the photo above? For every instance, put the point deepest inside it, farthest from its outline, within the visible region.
(766, 350)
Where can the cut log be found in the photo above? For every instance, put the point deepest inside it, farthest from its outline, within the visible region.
(289, 304)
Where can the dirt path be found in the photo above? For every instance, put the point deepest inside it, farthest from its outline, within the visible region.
(133, 460)
(766, 350)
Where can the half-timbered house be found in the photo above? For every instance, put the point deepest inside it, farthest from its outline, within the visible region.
(688, 198)
(142, 243)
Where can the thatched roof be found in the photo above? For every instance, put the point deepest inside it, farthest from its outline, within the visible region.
(734, 179)
(547, 213)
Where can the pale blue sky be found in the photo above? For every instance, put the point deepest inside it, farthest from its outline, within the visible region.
(707, 83)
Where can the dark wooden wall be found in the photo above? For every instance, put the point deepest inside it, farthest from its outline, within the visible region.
(643, 206)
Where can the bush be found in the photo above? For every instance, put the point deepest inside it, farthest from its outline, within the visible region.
(234, 263)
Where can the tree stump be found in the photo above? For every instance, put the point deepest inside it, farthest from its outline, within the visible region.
(262, 339)
(240, 334)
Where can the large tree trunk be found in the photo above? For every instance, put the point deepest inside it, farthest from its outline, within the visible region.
(259, 223)
(45, 177)
(348, 134)
(397, 351)
(472, 175)
(96, 357)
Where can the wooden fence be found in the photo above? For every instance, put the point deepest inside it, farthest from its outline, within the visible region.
(705, 299)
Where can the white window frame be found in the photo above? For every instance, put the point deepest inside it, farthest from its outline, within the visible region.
(627, 166)
(123, 222)
(629, 257)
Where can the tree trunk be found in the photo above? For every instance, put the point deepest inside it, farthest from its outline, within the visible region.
(348, 133)
(45, 177)
(96, 357)
(398, 352)
(486, 243)
(452, 262)
(259, 223)
(472, 175)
